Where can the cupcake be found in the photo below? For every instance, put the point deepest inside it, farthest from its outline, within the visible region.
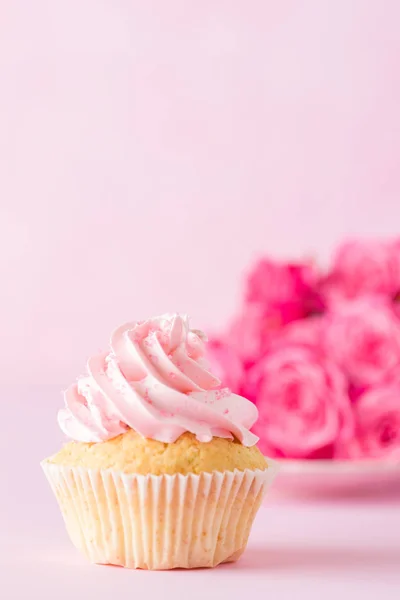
(162, 470)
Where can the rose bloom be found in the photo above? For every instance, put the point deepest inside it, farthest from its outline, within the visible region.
(225, 363)
(377, 422)
(305, 332)
(250, 332)
(365, 267)
(285, 288)
(363, 338)
(304, 410)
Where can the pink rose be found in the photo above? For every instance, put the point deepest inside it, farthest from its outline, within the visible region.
(304, 410)
(250, 332)
(377, 421)
(305, 332)
(225, 363)
(363, 338)
(287, 289)
(365, 267)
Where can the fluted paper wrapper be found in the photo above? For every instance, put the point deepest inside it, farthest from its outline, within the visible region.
(159, 521)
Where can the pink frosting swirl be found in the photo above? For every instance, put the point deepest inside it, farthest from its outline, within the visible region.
(155, 381)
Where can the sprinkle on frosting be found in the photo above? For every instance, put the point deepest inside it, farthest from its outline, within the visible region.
(154, 380)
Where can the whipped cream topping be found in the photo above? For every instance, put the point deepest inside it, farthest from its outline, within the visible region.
(155, 380)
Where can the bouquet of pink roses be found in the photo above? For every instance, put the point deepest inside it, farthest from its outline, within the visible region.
(319, 354)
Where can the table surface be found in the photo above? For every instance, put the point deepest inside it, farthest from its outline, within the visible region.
(297, 548)
(294, 551)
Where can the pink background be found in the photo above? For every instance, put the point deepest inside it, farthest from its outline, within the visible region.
(148, 149)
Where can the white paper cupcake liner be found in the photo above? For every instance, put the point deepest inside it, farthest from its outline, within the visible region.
(159, 521)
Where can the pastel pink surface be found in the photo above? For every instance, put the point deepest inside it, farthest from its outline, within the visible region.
(148, 149)
(349, 547)
(294, 552)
